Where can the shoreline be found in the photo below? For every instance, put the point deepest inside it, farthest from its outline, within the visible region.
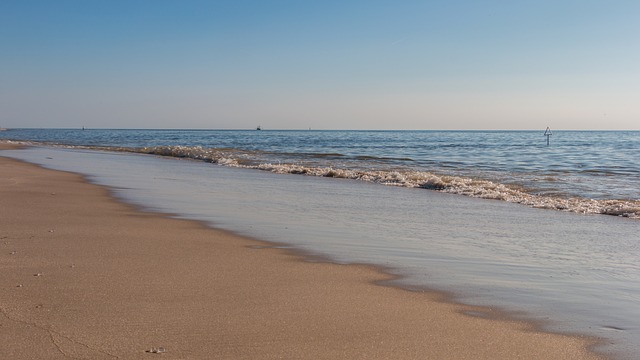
(115, 281)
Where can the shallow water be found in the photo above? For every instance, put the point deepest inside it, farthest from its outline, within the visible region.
(581, 171)
(580, 272)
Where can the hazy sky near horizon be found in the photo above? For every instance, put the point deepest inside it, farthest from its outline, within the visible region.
(321, 64)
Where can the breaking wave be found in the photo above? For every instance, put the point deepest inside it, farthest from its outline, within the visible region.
(321, 165)
(477, 188)
(469, 187)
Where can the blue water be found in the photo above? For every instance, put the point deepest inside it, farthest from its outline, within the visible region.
(581, 171)
(580, 272)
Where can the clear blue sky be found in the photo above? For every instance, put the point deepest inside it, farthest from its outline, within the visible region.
(320, 64)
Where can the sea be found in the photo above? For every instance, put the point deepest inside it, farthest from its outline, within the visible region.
(544, 228)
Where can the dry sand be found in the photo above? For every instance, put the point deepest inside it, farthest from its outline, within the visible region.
(83, 276)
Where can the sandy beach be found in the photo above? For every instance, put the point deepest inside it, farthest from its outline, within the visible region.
(87, 277)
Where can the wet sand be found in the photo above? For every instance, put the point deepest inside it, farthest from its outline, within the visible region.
(85, 276)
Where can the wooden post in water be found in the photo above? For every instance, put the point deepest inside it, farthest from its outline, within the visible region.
(548, 134)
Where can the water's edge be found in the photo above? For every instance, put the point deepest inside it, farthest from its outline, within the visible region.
(401, 274)
(392, 277)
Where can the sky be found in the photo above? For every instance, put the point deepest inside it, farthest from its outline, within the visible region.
(566, 64)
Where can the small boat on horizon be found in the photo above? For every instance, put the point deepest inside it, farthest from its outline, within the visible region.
(259, 127)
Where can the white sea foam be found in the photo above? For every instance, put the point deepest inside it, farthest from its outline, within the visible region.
(473, 187)
(466, 186)
(477, 188)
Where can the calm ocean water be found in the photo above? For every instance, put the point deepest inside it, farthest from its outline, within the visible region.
(581, 171)
(534, 252)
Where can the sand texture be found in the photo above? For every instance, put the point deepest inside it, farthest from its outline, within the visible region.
(83, 276)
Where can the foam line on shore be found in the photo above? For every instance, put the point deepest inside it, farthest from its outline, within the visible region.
(117, 282)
